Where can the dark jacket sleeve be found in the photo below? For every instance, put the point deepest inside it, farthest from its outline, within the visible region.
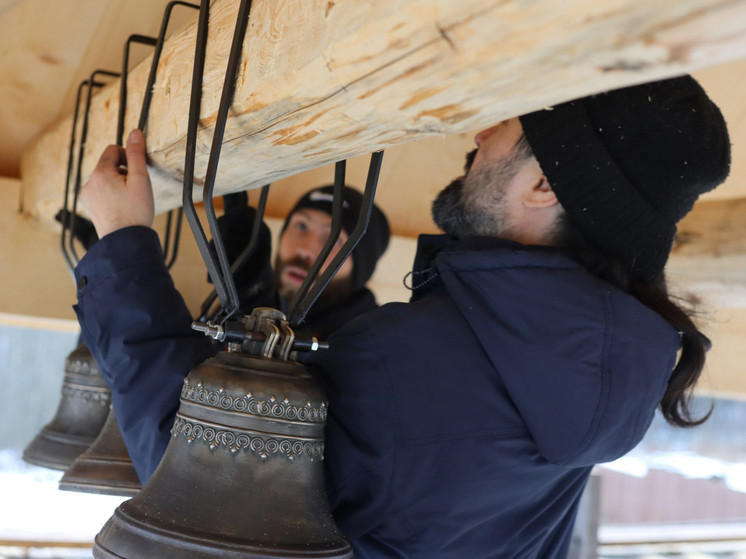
(138, 328)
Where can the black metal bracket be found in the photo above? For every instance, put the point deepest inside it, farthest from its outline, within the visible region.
(173, 224)
(306, 297)
(148, 96)
(205, 314)
(72, 257)
(170, 247)
(340, 171)
(239, 333)
(216, 261)
(67, 218)
(174, 218)
(140, 39)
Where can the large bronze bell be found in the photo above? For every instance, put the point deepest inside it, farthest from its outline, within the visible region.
(80, 415)
(105, 467)
(242, 476)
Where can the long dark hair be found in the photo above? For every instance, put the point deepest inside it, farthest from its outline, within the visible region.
(676, 402)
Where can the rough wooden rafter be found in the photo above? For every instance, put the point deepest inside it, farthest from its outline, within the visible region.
(324, 80)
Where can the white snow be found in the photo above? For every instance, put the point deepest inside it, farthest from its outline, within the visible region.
(688, 464)
(33, 508)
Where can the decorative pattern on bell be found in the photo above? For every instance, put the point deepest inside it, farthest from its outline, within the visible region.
(80, 415)
(242, 476)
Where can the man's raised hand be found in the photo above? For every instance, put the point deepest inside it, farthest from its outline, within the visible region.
(119, 193)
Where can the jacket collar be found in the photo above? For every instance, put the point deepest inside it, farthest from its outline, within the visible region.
(438, 251)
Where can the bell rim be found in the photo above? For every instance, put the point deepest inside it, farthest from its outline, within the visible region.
(100, 488)
(225, 548)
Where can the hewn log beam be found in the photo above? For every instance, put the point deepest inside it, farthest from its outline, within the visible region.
(709, 255)
(716, 228)
(7, 4)
(324, 80)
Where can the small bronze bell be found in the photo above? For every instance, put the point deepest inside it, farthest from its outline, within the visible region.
(242, 476)
(80, 415)
(105, 467)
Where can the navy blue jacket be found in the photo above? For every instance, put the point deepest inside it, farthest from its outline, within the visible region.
(462, 424)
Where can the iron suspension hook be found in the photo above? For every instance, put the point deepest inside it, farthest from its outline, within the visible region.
(79, 172)
(226, 100)
(216, 260)
(148, 96)
(300, 307)
(173, 224)
(143, 40)
(242, 258)
(66, 216)
(174, 217)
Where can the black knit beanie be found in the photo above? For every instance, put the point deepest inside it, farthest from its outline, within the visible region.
(371, 245)
(628, 164)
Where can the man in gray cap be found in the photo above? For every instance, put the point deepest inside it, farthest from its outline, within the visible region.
(304, 233)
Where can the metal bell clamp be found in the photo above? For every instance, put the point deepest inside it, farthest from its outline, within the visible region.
(260, 333)
(238, 333)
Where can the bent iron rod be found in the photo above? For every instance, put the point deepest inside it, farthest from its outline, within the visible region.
(78, 175)
(66, 217)
(366, 208)
(340, 170)
(243, 258)
(143, 40)
(226, 100)
(173, 224)
(215, 259)
(148, 96)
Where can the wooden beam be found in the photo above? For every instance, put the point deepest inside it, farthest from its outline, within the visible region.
(47, 49)
(709, 255)
(715, 281)
(716, 228)
(7, 4)
(324, 80)
(34, 279)
(42, 43)
(724, 368)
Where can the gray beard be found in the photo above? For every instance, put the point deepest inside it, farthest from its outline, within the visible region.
(475, 204)
(448, 211)
(454, 215)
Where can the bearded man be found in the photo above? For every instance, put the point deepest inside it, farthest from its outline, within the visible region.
(538, 342)
(303, 236)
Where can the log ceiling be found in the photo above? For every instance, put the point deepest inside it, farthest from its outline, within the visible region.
(327, 80)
